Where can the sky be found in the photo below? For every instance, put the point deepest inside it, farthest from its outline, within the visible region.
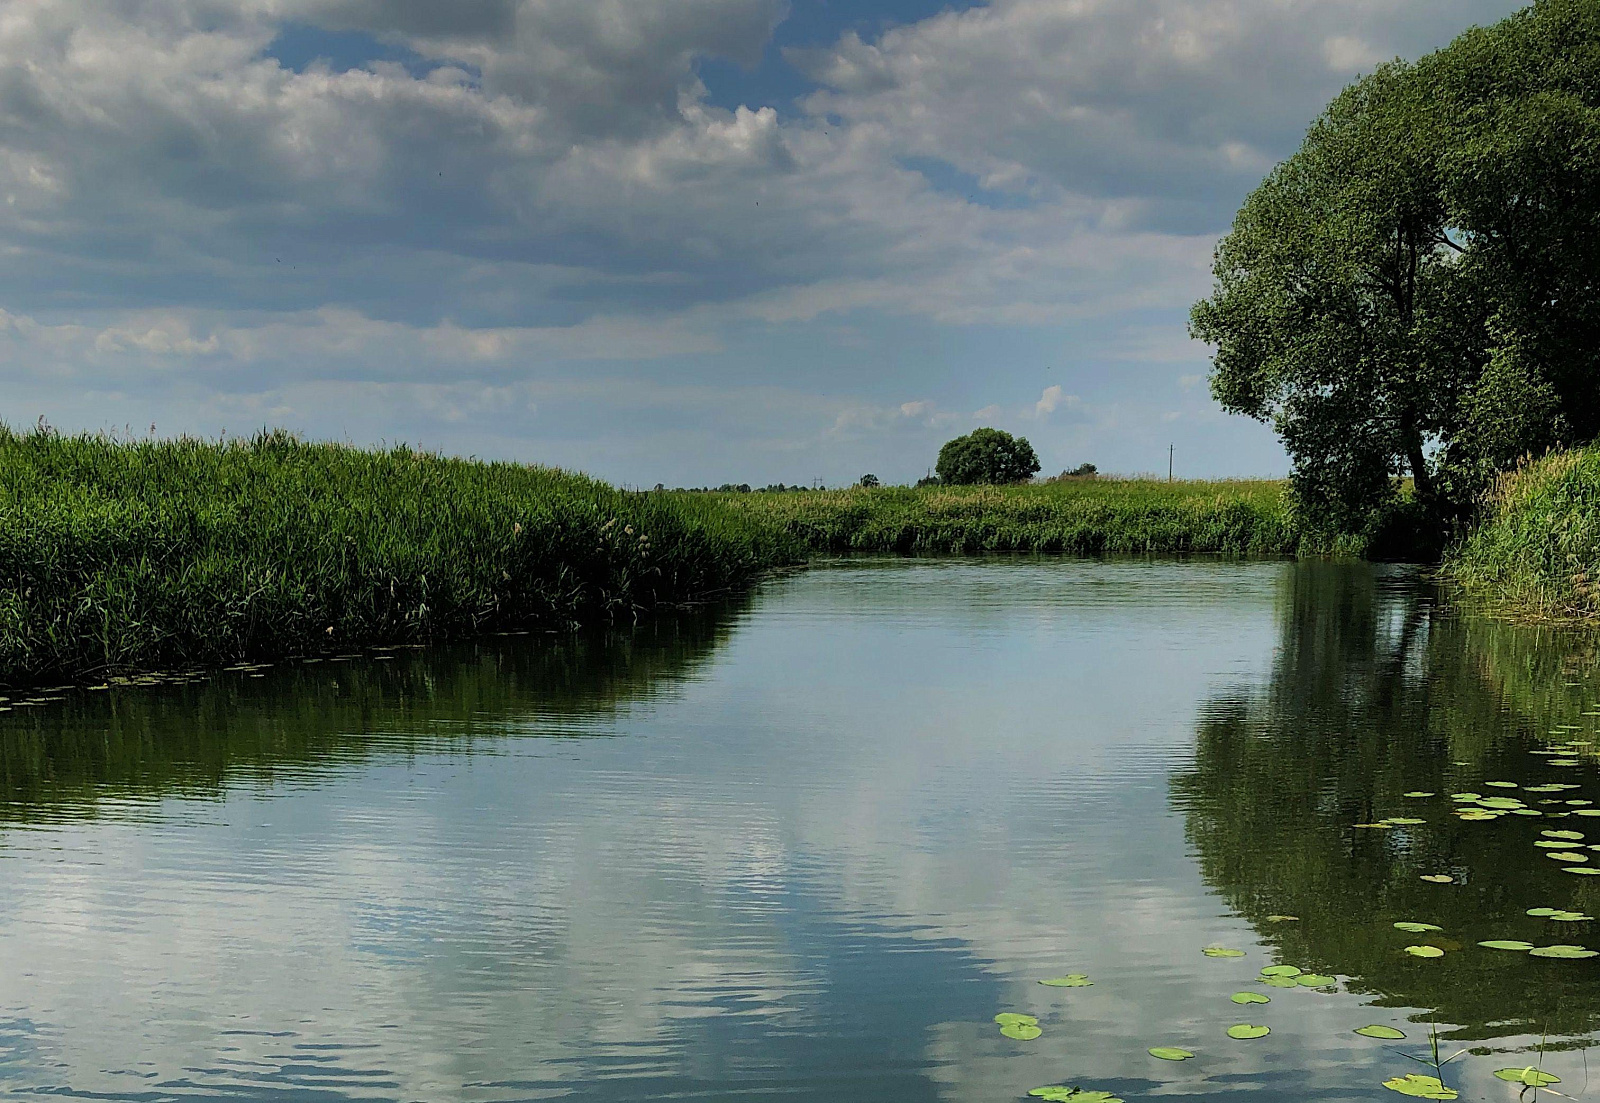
(679, 241)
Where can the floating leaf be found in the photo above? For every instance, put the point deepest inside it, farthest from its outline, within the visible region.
(1439, 878)
(1562, 834)
(1570, 917)
(1587, 812)
(1567, 856)
(1543, 911)
(1221, 951)
(1283, 919)
(1424, 951)
(1466, 796)
(1416, 1084)
(1071, 980)
(1387, 1033)
(1564, 952)
(1022, 1032)
(1403, 821)
(1587, 871)
(1530, 1076)
(1477, 816)
(1551, 844)
(1507, 803)
(1170, 1053)
(1280, 982)
(1250, 997)
(1417, 928)
(1565, 762)
(1280, 971)
(1245, 1031)
(1418, 795)
(1526, 812)
(1502, 784)
(1506, 944)
(1315, 980)
(1060, 1093)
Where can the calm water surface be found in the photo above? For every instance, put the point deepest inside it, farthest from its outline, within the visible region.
(808, 846)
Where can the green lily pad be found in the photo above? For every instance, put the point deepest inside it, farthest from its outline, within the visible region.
(1245, 1031)
(1501, 784)
(1587, 871)
(1570, 917)
(1170, 1053)
(1250, 997)
(1477, 817)
(1221, 951)
(1417, 795)
(1564, 952)
(1567, 856)
(1439, 878)
(1022, 1027)
(1587, 812)
(1060, 1093)
(1280, 971)
(1531, 1077)
(1506, 944)
(1543, 911)
(1424, 951)
(1562, 834)
(1315, 980)
(1466, 796)
(1526, 812)
(1280, 982)
(1283, 919)
(1565, 762)
(1071, 980)
(1507, 803)
(1417, 928)
(1551, 844)
(1403, 821)
(1387, 1033)
(1420, 1086)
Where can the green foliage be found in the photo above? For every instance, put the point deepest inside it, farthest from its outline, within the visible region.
(986, 456)
(1536, 552)
(118, 556)
(1412, 291)
(1093, 517)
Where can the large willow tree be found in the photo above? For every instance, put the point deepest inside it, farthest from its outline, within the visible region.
(1417, 290)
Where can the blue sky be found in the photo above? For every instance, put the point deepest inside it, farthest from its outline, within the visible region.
(683, 241)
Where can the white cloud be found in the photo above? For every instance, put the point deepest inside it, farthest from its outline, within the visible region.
(1052, 399)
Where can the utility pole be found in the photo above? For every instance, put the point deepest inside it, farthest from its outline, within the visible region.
(1169, 463)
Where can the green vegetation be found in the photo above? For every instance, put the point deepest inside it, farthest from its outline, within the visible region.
(154, 555)
(1413, 291)
(986, 456)
(1088, 517)
(1536, 552)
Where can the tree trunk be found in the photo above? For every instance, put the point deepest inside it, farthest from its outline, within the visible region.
(1421, 477)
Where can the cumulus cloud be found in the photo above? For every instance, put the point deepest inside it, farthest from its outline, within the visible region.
(520, 189)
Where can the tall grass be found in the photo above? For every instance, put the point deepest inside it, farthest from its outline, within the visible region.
(1086, 517)
(149, 555)
(1536, 553)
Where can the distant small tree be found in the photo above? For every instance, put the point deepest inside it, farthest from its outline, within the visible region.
(1084, 471)
(986, 456)
(869, 481)
(928, 480)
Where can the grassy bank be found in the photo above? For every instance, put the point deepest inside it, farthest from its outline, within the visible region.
(1536, 553)
(1089, 517)
(140, 556)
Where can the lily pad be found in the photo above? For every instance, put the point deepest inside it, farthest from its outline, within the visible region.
(1477, 816)
(1250, 997)
(1543, 911)
(1439, 878)
(1567, 856)
(1280, 971)
(1506, 944)
(1387, 1033)
(1420, 1086)
(1466, 796)
(1024, 1028)
(1418, 794)
(1564, 952)
(1071, 980)
(1531, 1077)
(1562, 834)
(1587, 871)
(1501, 784)
(1245, 1031)
(1507, 803)
(1280, 982)
(1424, 951)
(1170, 1053)
(1417, 928)
(1587, 812)
(1060, 1093)
(1403, 821)
(1283, 919)
(1221, 951)
(1315, 980)
(1570, 917)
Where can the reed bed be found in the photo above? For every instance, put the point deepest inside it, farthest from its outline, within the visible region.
(1083, 517)
(1536, 553)
(151, 555)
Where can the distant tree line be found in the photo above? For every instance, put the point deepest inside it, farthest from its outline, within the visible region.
(1416, 291)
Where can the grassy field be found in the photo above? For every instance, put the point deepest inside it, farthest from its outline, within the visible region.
(164, 554)
(1088, 517)
(1536, 554)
